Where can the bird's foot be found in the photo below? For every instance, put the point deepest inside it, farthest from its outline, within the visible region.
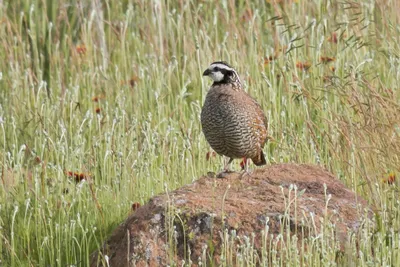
(245, 173)
(211, 174)
(224, 173)
(226, 170)
(245, 169)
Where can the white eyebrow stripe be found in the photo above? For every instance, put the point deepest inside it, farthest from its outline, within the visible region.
(221, 66)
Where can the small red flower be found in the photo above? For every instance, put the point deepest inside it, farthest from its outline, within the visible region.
(133, 81)
(98, 98)
(38, 160)
(303, 65)
(390, 179)
(81, 49)
(97, 110)
(327, 59)
(210, 155)
(78, 176)
(269, 59)
(135, 206)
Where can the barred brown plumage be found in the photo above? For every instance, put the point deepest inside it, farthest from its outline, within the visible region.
(233, 122)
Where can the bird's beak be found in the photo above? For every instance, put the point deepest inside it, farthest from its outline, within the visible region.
(206, 72)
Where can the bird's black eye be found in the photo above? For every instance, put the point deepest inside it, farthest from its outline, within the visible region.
(216, 69)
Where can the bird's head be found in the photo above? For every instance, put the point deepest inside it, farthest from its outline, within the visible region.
(221, 72)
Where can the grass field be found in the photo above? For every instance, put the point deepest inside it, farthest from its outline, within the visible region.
(111, 92)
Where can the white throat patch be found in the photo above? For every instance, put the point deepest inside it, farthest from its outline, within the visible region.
(217, 76)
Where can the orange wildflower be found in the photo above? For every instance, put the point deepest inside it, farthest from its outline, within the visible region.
(98, 98)
(38, 160)
(132, 82)
(135, 206)
(210, 155)
(303, 65)
(327, 59)
(98, 110)
(81, 49)
(78, 176)
(269, 59)
(390, 179)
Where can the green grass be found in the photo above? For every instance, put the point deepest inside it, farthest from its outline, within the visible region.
(148, 136)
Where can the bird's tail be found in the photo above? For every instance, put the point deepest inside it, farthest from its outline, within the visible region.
(259, 160)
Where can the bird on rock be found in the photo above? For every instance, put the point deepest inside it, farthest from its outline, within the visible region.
(233, 123)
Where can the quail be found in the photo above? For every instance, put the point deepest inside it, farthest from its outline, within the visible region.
(233, 122)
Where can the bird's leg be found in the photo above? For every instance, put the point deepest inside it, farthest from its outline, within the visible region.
(226, 167)
(245, 168)
(243, 163)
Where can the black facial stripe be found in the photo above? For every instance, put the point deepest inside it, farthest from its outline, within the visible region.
(221, 69)
(228, 76)
(226, 72)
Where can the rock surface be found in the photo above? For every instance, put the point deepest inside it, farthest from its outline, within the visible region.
(195, 216)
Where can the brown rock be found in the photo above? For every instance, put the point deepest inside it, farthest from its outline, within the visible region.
(200, 211)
